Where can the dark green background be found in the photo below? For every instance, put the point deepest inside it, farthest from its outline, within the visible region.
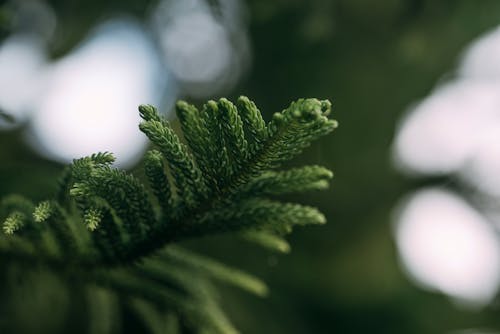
(372, 59)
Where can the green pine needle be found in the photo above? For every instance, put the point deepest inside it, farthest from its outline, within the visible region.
(14, 222)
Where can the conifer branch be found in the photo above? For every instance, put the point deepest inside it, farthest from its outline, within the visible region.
(108, 232)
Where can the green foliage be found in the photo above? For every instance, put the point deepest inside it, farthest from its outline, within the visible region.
(107, 232)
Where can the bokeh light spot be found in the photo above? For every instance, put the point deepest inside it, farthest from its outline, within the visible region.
(447, 245)
(91, 99)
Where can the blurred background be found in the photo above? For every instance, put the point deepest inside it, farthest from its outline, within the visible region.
(411, 244)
